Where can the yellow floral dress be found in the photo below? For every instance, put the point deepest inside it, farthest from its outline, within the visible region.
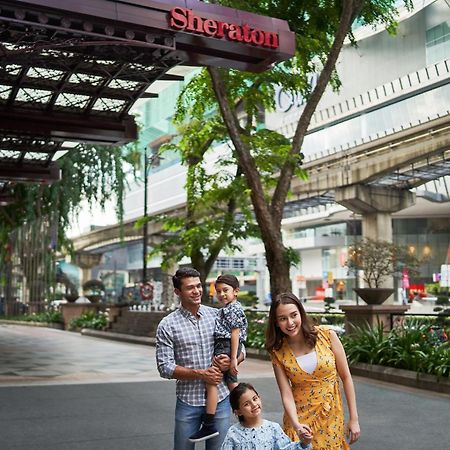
(317, 396)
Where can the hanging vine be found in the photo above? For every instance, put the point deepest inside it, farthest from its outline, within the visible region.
(94, 174)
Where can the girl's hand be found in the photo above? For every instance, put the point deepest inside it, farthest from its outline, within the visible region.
(304, 433)
(233, 366)
(353, 431)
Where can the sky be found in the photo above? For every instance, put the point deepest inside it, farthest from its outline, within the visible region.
(92, 216)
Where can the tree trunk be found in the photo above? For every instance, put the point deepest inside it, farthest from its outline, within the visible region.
(269, 216)
(278, 266)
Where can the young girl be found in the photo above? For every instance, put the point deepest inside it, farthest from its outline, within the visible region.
(230, 333)
(308, 361)
(253, 432)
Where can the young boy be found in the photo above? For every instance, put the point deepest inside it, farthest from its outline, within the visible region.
(230, 333)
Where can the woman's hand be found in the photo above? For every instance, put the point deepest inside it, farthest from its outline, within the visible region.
(304, 432)
(353, 431)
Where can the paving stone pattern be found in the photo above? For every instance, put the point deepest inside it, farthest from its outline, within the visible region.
(63, 391)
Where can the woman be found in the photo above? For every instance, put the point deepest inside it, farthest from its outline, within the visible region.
(308, 362)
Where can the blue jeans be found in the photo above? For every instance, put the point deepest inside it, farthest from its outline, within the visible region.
(189, 418)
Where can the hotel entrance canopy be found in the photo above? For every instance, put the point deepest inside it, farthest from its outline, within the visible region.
(70, 71)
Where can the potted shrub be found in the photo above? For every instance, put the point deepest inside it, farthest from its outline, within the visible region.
(379, 260)
(94, 290)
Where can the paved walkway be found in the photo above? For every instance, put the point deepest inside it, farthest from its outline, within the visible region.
(64, 391)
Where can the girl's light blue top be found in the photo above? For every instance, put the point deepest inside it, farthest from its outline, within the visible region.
(268, 436)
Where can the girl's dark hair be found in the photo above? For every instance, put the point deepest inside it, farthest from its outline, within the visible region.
(236, 395)
(274, 336)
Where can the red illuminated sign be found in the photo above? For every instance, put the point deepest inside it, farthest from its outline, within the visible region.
(185, 20)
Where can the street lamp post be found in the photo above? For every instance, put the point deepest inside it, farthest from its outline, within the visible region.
(149, 162)
(145, 231)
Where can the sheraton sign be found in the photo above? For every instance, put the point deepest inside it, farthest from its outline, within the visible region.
(185, 20)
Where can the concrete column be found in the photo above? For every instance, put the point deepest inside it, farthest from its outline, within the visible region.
(376, 205)
(167, 295)
(377, 226)
(86, 261)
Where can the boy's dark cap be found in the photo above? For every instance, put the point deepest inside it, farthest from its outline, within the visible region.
(230, 280)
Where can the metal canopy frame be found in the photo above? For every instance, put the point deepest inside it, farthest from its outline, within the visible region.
(430, 169)
(71, 71)
(294, 208)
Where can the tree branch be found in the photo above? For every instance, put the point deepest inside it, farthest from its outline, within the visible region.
(245, 158)
(349, 11)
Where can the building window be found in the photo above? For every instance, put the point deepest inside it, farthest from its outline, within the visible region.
(438, 43)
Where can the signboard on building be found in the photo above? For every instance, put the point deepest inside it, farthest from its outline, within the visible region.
(301, 281)
(445, 275)
(185, 20)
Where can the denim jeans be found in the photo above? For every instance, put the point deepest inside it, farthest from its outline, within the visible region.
(189, 418)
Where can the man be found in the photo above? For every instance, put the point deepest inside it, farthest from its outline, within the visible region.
(184, 351)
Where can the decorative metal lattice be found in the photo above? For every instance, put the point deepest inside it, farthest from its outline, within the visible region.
(66, 78)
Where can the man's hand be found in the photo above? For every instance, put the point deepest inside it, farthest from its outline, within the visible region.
(212, 375)
(222, 362)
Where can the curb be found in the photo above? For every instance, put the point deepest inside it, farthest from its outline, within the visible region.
(381, 373)
(129, 338)
(54, 325)
(402, 377)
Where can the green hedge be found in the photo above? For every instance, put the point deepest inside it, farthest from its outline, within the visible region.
(256, 332)
(91, 319)
(416, 346)
(50, 316)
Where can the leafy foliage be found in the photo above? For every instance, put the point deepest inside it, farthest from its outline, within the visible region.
(266, 158)
(256, 331)
(88, 173)
(51, 315)
(217, 217)
(248, 299)
(412, 347)
(91, 319)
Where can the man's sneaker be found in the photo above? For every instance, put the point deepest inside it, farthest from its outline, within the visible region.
(207, 431)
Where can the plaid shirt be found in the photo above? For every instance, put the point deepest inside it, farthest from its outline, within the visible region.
(183, 340)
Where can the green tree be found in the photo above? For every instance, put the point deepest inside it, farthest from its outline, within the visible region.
(88, 173)
(381, 259)
(320, 28)
(217, 216)
(94, 174)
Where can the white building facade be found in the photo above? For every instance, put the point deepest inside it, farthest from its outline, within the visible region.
(389, 84)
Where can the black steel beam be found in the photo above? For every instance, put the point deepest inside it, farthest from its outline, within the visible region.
(30, 173)
(6, 199)
(77, 128)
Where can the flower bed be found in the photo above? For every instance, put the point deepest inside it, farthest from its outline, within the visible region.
(50, 316)
(415, 346)
(90, 319)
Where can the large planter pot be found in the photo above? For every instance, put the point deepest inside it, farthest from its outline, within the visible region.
(374, 296)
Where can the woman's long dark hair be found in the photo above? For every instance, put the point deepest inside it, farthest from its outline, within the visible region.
(274, 336)
(236, 395)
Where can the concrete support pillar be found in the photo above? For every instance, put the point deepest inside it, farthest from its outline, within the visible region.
(168, 295)
(373, 199)
(86, 261)
(376, 205)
